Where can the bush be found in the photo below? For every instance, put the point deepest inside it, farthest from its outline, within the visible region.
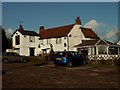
(37, 60)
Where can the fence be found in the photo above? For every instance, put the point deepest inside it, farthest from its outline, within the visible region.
(104, 59)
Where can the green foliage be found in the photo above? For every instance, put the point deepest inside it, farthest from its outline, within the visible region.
(37, 60)
(4, 41)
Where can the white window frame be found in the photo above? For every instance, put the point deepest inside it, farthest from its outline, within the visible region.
(48, 41)
(31, 38)
(58, 40)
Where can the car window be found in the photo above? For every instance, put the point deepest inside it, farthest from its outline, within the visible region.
(72, 54)
(7, 53)
(76, 53)
(61, 53)
(15, 54)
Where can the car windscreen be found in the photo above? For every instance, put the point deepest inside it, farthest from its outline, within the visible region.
(61, 54)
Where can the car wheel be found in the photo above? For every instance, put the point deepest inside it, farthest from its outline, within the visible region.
(24, 60)
(5, 61)
(69, 64)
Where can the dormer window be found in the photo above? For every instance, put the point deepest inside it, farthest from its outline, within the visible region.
(31, 39)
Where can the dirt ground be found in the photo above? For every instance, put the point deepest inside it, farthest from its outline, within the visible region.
(26, 75)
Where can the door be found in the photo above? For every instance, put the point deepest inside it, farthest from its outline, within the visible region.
(32, 51)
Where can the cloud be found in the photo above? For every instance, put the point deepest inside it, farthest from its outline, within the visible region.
(94, 24)
(112, 34)
(91, 24)
(9, 32)
(105, 31)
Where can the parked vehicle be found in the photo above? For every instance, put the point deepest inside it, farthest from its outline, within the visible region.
(14, 57)
(68, 58)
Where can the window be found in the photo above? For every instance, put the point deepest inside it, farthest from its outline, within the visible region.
(32, 39)
(113, 50)
(58, 40)
(102, 49)
(70, 35)
(48, 41)
(42, 43)
(17, 40)
(65, 44)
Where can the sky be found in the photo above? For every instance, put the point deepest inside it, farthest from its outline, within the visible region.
(102, 17)
(0, 13)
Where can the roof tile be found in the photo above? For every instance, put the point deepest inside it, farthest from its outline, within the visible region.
(56, 32)
(89, 33)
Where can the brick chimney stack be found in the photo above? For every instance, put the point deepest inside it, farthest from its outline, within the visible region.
(21, 27)
(41, 29)
(78, 21)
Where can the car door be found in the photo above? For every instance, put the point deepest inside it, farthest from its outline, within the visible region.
(16, 57)
(72, 57)
(8, 56)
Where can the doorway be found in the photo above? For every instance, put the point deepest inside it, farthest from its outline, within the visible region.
(32, 51)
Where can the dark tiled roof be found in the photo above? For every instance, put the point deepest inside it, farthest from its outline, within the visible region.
(89, 33)
(30, 33)
(56, 32)
(25, 32)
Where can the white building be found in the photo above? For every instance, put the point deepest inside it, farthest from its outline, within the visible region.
(71, 37)
(118, 42)
(25, 42)
(65, 37)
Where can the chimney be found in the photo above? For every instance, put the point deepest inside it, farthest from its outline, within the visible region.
(41, 28)
(78, 21)
(21, 27)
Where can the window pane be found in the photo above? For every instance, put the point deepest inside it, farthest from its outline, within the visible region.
(113, 50)
(32, 39)
(17, 40)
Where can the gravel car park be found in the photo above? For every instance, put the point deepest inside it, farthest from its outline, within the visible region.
(21, 75)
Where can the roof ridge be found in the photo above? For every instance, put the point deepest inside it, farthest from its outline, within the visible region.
(60, 26)
(85, 27)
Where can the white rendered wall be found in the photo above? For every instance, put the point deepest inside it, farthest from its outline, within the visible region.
(25, 44)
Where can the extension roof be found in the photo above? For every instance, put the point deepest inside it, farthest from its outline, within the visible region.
(95, 42)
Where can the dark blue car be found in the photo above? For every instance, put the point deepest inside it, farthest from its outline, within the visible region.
(68, 58)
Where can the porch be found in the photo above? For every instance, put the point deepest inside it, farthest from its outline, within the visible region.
(99, 51)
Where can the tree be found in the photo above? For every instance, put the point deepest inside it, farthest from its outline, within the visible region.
(4, 41)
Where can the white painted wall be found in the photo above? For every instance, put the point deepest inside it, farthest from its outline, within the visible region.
(56, 47)
(25, 44)
(75, 38)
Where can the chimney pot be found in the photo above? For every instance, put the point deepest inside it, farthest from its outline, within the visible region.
(21, 27)
(78, 21)
(41, 28)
